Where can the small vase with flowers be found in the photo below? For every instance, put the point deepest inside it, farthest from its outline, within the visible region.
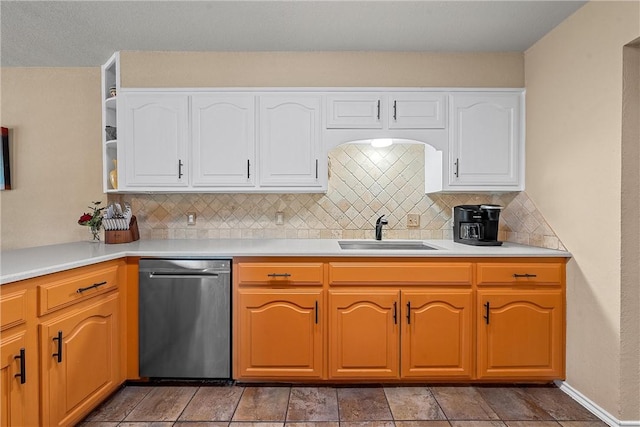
(93, 220)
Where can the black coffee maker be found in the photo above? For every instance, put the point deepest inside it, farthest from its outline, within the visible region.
(476, 224)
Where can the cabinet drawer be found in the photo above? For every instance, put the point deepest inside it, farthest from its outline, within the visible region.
(13, 309)
(76, 285)
(403, 273)
(520, 273)
(273, 273)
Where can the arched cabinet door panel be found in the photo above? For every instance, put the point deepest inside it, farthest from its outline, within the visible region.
(155, 139)
(486, 140)
(289, 141)
(520, 334)
(364, 334)
(436, 334)
(223, 139)
(280, 333)
(79, 361)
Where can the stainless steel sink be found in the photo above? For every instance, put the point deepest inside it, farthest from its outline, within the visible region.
(402, 245)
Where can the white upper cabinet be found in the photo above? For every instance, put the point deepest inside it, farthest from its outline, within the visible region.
(277, 140)
(354, 111)
(223, 140)
(486, 141)
(155, 139)
(289, 140)
(378, 110)
(419, 110)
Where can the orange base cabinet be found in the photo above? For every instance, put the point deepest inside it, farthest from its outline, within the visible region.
(80, 355)
(16, 391)
(281, 333)
(18, 356)
(520, 334)
(437, 334)
(364, 334)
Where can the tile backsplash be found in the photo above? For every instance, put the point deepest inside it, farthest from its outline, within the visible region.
(364, 183)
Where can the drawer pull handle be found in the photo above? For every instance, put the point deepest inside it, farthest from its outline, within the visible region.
(23, 373)
(279, 275)
(408, 312)
(95, 285)
(527, 275)
(486, 310)
(58, 355)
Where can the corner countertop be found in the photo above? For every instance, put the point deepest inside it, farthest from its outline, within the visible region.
(21, 264)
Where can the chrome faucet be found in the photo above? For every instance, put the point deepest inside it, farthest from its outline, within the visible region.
(379, 223)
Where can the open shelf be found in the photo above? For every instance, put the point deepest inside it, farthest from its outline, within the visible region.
(110, 78)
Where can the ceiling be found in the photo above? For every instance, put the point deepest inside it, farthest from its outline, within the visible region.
(86, 33)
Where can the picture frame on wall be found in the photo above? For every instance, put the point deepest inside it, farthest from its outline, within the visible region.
(5, 161)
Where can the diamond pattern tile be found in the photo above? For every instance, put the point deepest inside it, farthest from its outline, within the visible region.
(364, 182)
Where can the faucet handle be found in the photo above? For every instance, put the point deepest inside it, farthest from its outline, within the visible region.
(382, 220)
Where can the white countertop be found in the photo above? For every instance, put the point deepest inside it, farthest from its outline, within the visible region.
(27, 263)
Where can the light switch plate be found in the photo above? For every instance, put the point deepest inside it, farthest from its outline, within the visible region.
(279, 218)
(413, 220)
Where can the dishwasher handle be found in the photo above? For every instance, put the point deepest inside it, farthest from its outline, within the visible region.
(195, 274)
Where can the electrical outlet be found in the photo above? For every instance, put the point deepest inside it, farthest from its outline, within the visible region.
(279, 218)
(191, 218)
(413, 220)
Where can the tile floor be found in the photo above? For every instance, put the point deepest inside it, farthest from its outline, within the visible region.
(367, 406)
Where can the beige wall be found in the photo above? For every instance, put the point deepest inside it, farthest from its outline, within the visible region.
(317, 69)
(630, 269)
(54, 114)
(573, 78)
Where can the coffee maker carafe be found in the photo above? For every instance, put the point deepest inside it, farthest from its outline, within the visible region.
(476, 224)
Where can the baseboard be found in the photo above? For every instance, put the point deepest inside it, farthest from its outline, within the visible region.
(594, 408)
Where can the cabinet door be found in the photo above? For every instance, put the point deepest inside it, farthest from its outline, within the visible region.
(437, 334)
(485, 139)
(156, 132)
(416, 110)
(15, 390)
(354, 111)
(363, 334)
(290, 141)
(223, 140)
(520, 334)
(280, 333)
(80, 369)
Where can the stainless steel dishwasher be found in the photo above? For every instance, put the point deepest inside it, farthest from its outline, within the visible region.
(185, 318)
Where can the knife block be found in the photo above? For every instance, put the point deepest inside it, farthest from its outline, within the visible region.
(123, 236)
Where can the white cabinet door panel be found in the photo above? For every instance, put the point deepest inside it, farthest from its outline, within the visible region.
(419, 110)
(354, 111)
(223, 139)
(485, 139)
(156, 133)
(289, 140)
